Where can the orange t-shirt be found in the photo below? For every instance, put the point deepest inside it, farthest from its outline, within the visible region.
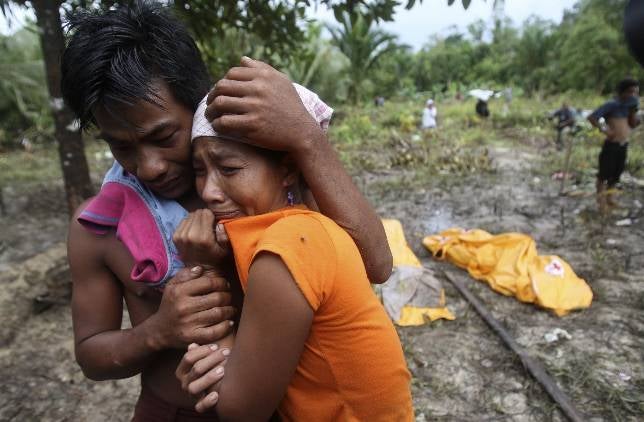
(352, 367)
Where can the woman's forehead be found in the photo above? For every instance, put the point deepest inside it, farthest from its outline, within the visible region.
(215, 147)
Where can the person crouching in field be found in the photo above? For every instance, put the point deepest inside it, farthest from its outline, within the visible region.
(565, 119)
(621, 118)
(313, 341)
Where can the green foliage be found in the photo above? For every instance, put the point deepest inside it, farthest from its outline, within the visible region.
(267, 30)
(534, 50)
(465, 3)
(443, 61)
(319, 66)
(393, 77)
(585, 52)
(223, 30)
(593, 52)
(635, 163)
(363, 46)
(23, 96)
(356, 128)
(227, 30)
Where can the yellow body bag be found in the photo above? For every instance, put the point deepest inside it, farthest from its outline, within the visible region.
(412, 295)
(510, 265)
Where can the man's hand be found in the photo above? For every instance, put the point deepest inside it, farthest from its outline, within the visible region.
(199, 241)
(260, 105)
(633, 119)
(200, 372)
(195, 308)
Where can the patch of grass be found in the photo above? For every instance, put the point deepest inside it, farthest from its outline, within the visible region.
(381, 139)
(19, 168)
(594, 394)
(635, 162)
(583, 158)
(605, 261)
(22, 167)
(373, 139)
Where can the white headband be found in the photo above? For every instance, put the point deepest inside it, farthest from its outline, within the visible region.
(314, 105)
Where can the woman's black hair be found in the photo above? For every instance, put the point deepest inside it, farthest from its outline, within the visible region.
(113, 57)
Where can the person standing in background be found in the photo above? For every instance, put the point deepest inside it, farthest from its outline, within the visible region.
(620, 118)
(429, 115)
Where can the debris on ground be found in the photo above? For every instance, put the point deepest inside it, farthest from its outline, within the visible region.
(624, 222)
(556, 334)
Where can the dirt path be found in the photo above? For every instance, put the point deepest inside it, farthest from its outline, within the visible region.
(461, 370)
(41, 381)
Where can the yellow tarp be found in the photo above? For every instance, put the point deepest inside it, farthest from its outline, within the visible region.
(412, 295)
(400, 250)
(510, 265)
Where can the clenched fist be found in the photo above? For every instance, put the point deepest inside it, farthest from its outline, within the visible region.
(201, 242)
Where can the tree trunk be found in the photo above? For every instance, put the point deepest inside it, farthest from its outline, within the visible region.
(71, 150)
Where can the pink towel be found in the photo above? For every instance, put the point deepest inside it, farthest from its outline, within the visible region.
(143, 222)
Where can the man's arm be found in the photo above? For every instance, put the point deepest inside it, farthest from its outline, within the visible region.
(593, 119)
(260, 104)
(606, 130)
(633, 120)
(338, 198)
(103, 349)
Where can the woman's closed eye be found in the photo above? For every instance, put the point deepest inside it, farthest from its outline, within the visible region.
(167, 142)
(229, 170)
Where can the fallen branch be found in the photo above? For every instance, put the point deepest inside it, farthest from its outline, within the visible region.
(566, 164)
(531, 364)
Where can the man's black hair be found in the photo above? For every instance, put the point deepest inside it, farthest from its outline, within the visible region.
(634, 28)
(626, 83)
(112, 59)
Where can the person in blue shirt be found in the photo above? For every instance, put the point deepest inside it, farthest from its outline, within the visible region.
(565, 119)
(619, 119)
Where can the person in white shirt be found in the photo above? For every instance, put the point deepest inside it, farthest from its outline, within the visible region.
(429, 115)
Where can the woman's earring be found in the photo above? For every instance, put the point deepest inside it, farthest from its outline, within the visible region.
(290, 198)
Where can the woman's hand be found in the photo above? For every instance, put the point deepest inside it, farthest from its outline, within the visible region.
(199, 241)
(201, 371)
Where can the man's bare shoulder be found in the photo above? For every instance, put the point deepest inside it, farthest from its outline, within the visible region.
(81, 242)
(91, 253)
(99, 257)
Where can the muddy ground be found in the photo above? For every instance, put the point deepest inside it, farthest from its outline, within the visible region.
(461, 370)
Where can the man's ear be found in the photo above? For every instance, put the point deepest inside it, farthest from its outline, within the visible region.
(290, 171)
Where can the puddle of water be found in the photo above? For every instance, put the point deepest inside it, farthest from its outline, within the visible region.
(439, 220)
